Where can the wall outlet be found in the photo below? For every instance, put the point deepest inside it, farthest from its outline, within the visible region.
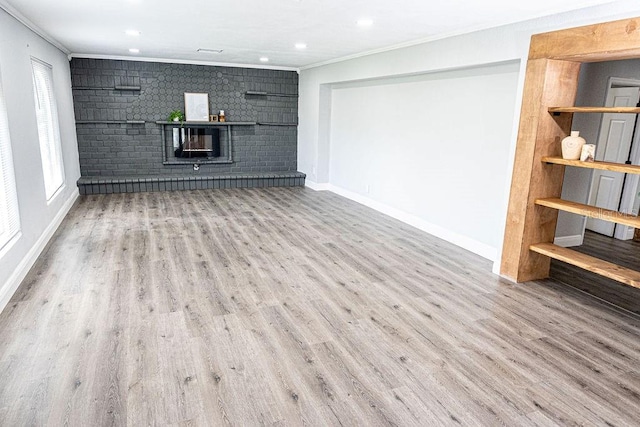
(368, 188)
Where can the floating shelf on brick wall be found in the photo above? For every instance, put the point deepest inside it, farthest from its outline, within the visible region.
(118, 87)
(276, 124)
(260, 93)
(110, 122)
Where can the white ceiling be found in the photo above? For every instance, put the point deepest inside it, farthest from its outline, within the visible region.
(249, 29)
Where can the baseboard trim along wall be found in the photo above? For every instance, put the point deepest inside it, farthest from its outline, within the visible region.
(315, 186)
(464, 242)
(12, 284)
(569, 241)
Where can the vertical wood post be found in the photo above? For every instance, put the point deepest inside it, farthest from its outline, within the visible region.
(548, 83)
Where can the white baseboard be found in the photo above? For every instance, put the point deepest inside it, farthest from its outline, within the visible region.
(497, 263)
(624, 233)
(464, 242)
(14, 281)
(315, 186)
(569, 241)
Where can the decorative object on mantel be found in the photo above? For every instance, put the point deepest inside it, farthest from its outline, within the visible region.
(213, 117)
(196, 107)
(176, 116)
(572, 146)
(221, 116)
(588, 153)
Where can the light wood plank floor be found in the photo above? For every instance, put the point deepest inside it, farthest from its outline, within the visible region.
(286, 306)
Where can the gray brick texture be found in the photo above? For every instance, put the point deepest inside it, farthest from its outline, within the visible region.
(127, 149)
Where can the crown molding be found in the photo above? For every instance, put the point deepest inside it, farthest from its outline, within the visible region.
(461, 32)
(180, 61)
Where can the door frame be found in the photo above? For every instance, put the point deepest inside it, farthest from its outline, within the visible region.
(551, 80)
(632, 182)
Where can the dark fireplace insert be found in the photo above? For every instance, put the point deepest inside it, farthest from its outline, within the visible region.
(194, 142)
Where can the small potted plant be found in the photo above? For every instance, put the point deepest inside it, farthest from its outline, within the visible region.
(176, 116)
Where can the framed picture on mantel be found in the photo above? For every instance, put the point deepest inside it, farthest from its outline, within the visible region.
(196, 107)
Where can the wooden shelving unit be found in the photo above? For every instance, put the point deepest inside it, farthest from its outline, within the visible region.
(548, 108)
(595, 265)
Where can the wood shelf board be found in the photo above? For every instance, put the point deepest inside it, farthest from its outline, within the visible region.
(590, 211)
(614, 167)
(626, 110)
(587, 262)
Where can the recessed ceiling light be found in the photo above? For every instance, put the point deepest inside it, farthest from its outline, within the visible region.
(365, 22)
(206, 50)
(264, 59)
(301, 46)
(132, 32)
(134, 50)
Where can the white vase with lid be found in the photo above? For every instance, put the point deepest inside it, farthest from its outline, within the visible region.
(572, 146)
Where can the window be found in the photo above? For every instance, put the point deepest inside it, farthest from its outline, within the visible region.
(9, 217)
(48, 127)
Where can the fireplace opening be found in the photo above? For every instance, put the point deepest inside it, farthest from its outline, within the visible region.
(190, 142)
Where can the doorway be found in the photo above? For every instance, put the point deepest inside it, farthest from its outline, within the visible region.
(615, 143)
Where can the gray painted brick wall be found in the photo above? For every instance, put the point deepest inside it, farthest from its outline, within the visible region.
(120, 149)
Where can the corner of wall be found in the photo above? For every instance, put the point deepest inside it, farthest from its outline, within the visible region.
(28, 261)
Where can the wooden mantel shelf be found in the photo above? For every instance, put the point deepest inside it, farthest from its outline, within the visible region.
(614, 167)
(590, 211)
(628, 110)
(194, 123)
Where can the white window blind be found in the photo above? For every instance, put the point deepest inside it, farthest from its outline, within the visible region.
(9, 216)
(48, 127)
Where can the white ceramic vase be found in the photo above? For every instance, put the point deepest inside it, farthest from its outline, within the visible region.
(572, 146)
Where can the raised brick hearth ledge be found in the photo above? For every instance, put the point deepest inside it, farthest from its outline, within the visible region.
(135, 184)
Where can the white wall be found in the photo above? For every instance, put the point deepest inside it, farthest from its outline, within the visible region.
(39, 219)
(317, 132)
(407, 143)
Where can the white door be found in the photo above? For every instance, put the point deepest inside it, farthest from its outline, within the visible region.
(614, 143)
